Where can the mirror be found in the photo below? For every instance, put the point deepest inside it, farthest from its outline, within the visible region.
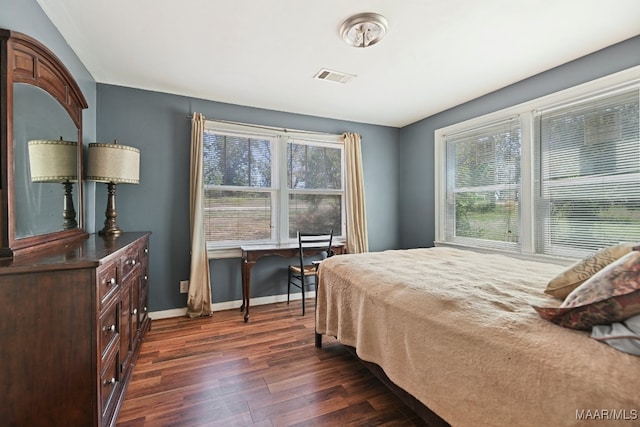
(38, 203)
(40, 118)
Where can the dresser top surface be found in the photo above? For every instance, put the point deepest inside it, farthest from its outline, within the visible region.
(84, 253)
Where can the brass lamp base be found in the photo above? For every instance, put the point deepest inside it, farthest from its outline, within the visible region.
(110, 224)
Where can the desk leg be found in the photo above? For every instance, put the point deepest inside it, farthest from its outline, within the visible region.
(243, 264)
(247, 288)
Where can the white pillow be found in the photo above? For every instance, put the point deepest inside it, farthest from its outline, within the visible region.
(623, 336)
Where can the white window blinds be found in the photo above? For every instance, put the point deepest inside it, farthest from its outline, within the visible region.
(587, 168)
(483, 185)
(238, 203)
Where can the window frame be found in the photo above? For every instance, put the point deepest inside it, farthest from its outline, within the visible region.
(527, 112)
(286, 191)
(279, 186)
(453, 139)
(211, 246)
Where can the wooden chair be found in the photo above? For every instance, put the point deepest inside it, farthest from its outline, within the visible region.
(308, 244)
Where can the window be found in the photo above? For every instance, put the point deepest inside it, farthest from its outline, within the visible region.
(263, 185)
(557, 176)
(314, 183)
(483, 184)
(588, 169)
(238, 190)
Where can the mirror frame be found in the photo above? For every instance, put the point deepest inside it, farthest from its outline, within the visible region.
(25, 60)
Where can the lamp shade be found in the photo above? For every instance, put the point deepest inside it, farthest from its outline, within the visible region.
(115, 163)
(53, 161)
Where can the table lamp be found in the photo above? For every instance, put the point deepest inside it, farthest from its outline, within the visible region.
(114, 164)
(56, 161)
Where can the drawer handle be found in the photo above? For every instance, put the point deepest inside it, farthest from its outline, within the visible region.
(135, 311)
(131, 262)
(111, 281)
(111, 381)
(146, 250)
(111, 328)
(145, 309)
(146, 278)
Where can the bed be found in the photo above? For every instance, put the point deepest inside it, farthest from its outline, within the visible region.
(456, 330)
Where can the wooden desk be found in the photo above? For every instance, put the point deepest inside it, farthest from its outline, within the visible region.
(251, 254)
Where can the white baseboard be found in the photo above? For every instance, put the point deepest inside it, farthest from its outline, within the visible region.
(229, 305)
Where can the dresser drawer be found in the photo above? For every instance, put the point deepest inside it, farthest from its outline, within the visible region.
(109, 326)
(109, 387)
(144, 252)
(131, 261)
(107, 282)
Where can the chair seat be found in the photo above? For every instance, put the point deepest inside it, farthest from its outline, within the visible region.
(309, 270)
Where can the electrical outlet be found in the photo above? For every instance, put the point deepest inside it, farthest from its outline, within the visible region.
(184, 286)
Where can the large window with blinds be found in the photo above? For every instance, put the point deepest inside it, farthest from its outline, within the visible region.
(588, 174)
(239, 191)
(483, 185)
(557, 176)
(263, 185)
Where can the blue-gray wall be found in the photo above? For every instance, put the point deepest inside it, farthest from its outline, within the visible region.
(158, 125)
(398, 163)
(416, 189)
(27, 17)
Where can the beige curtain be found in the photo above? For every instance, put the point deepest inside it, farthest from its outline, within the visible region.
(357, 240)
(199, 302)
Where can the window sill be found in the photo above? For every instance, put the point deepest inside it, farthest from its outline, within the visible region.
(524, 256)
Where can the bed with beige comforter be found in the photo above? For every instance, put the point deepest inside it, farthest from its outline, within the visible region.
(456, 329)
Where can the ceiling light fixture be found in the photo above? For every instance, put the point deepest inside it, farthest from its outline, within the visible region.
(364, 29)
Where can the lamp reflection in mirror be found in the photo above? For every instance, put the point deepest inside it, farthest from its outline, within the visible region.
(56, 161)
(114, 164)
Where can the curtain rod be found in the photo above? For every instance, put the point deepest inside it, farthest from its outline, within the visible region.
(285, 130)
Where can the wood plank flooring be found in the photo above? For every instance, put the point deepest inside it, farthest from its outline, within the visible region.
(219, 371)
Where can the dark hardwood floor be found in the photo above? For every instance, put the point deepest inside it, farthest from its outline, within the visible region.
(219, 371)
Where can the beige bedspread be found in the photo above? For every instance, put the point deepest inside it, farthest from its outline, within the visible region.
(456, 329)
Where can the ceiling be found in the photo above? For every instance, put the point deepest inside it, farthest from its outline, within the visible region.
(436, 53)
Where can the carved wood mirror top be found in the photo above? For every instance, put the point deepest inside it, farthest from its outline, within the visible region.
(39, 100)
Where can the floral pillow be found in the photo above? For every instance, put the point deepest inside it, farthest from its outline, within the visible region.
(611, 295)
(575, 275)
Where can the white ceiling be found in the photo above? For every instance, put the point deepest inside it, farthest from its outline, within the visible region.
(264, 53)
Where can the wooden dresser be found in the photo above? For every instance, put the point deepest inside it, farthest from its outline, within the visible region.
(71, 323)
